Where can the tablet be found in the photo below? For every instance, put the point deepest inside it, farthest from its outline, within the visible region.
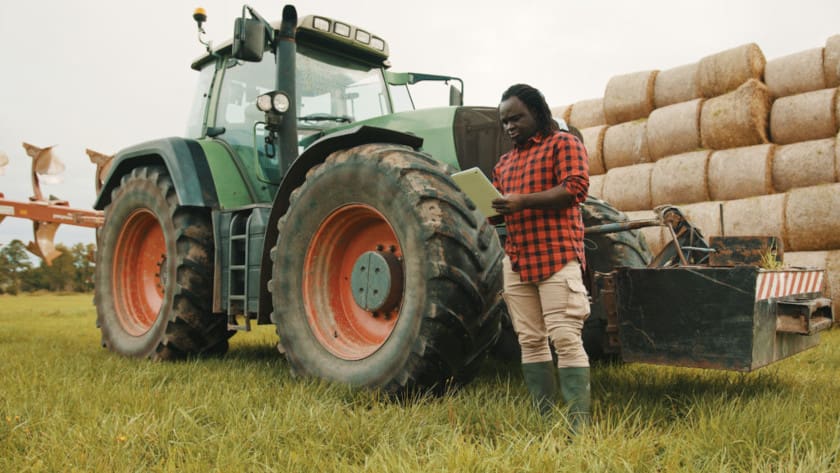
(476, 185)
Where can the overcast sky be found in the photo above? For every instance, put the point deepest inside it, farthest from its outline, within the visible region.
(106, 74)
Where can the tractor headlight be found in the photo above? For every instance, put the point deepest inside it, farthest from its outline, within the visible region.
(277, 101)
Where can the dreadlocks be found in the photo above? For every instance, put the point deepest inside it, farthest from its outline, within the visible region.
(536, 104)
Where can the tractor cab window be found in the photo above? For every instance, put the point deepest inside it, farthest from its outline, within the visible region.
(195, 125)
(331, 91)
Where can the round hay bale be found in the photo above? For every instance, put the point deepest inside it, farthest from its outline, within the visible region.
(741, 172)
(831, 62)
(562, 111)
(593, 140)
(805, 164)
(626, 144)
(738, 118)
(795, 73)
(832, 280)
(676, 85)
(680, 179)
(755, 216)
(804, 117)
(812, 218)
(654, 236)
(596, 186)
(628, 188)
(722, 72)
(588, 113)
(705, 216)
(629, 97)
(806, 259)
(674, 129)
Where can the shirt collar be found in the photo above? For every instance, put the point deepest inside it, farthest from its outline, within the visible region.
(536, 139)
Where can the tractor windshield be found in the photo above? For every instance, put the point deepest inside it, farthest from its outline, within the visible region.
(331, 91)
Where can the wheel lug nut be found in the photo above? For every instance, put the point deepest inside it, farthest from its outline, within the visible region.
(379, 247)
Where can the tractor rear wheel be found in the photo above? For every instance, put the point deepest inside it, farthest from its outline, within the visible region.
(385, 275)
(154, 273)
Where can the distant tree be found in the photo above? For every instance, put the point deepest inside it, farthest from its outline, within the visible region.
(14, 265)
(84, 266)
(59, 276)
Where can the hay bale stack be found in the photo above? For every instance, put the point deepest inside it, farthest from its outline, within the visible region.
(796, 73)
(741, 172)
(826, 260)
(680, 179)
(562, 111)
(628, 188)
(629, 97)
(812, 218)
(755, 216)
(587, 113)
(805, 164)
(705, 216)
(626, 144)
(674, 129)
(831, 62)
(725, 71)
(676, 85)
(804, 117)
(654, 236)
(593, 140)
(596, 186)
(736, 119)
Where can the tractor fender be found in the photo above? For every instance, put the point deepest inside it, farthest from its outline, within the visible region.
(185, 162)
(313, 155)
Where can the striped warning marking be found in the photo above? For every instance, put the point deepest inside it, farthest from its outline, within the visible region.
(773, 284)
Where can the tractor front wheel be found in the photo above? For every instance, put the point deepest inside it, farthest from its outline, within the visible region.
(384, 273)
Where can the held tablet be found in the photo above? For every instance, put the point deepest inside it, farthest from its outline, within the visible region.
(476, 185)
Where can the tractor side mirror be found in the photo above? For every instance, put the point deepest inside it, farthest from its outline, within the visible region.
(456, 97)
(248, 39)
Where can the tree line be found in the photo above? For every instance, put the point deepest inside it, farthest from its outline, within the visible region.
(72, 271)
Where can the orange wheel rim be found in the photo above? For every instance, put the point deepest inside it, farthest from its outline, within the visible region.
(340, 324)
(138, 274)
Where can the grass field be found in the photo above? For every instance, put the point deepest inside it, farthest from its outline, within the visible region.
(68, 405)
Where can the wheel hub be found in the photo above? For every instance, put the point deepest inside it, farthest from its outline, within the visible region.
(377, 281)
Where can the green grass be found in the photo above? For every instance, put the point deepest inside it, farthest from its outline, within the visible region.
(66, 404)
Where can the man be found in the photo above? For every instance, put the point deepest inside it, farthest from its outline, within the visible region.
(543, 180)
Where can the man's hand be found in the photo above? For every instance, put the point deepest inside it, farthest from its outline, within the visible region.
(509, 204)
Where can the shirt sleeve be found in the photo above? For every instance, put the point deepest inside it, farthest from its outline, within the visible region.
(572, 166)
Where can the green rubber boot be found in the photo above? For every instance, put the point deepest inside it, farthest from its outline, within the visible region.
(541, 383)
(574, 388)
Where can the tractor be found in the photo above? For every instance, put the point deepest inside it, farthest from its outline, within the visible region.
(308, 193)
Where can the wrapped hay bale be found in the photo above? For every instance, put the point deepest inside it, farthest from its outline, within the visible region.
(587, 113)
(741, 172)
(596, 186)
(626, 144)
(831, 61)
(629, 97)
(593, 140)
(832, 280)
(812, 218)
(674, 129)
(804, 117)
(705, 216)
(654, 236)
(738, 118)
(805, 164)
(562, 111)
(755, 216)
(628, 188)
(795, 74)
(722, 72)
(676, 85)
(680, 179)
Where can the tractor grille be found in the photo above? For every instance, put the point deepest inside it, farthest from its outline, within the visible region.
(479, 140)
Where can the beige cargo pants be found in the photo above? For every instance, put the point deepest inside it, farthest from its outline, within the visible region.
(554, 308)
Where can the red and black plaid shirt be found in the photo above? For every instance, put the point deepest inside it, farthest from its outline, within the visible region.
(541, 241)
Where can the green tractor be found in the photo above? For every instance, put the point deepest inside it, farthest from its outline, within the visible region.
(301, 198)
(309, 194)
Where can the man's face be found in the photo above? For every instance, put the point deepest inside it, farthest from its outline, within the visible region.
(517, 121)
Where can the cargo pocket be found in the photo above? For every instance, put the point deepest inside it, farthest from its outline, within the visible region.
(578, 305)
